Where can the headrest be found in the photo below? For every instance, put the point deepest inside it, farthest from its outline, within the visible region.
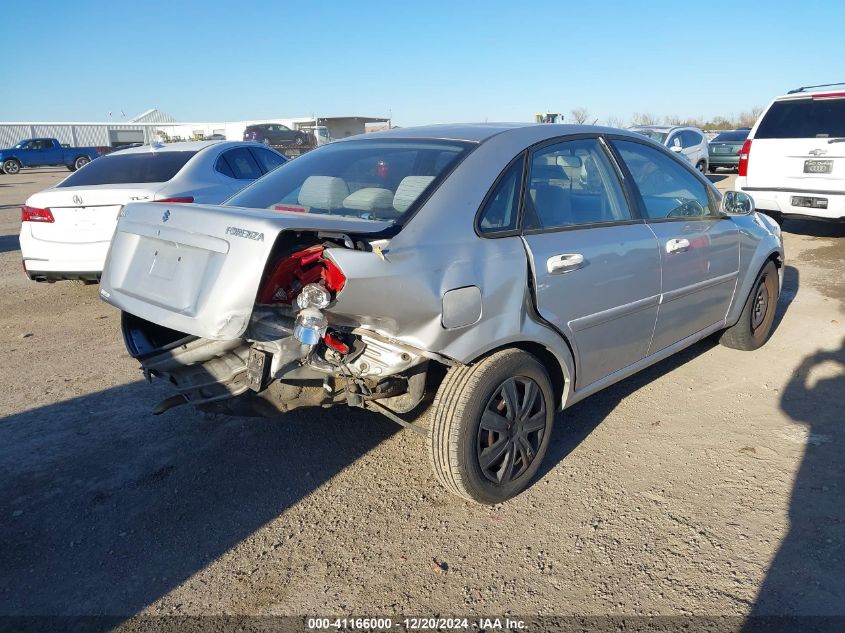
(323, 192)
(369, 199)
(409, 190)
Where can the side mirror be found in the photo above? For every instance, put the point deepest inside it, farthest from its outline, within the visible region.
(677, 149)
(737, 203)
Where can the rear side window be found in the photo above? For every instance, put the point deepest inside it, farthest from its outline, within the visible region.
(129, 168)
(803, 118)
(238, 163)
(268, 159)
(499, 214)
(573, 183)
(668, 189)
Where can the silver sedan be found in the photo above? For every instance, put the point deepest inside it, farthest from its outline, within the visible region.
(506, 271)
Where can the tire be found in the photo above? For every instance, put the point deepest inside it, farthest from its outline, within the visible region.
(299, 140)
(70, 167)
(712, 169)
(758, 314)
(701, 166)
(80, 161)
(11, 166)
(459, 435)
(266, 141)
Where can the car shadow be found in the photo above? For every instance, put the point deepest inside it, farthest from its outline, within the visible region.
(807, 575)
(575, 424)
(714, 178)
(106, 508)
(9, 243)
(814, 228)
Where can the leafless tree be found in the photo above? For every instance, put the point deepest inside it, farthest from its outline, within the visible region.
(614, 121)
(643, 118)
(579, 115)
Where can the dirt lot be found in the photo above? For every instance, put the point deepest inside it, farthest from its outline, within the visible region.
(712, 483)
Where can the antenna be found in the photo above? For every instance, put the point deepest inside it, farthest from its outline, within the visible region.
(803, 88)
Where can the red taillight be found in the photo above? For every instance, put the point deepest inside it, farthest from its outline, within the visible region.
(295, 271)
(743, 158)
(34, 214)
(185, 199)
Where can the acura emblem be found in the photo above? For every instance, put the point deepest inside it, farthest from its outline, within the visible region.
(77, 200)
(166, 215)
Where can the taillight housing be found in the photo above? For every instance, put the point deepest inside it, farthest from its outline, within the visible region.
(297, 270)
(177, 199)
(34, 214)
(743, 158)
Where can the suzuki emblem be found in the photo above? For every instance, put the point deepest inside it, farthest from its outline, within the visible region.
(77, 200)
(165, 216)
(817, 152)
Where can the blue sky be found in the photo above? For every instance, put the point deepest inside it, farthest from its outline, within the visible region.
(421, 62)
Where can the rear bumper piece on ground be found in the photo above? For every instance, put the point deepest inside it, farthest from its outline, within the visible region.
(780, 200)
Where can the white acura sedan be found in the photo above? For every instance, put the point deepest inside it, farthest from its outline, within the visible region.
(66, 229)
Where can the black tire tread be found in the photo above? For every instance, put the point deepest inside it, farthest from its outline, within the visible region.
(739, 336)
(456, 392)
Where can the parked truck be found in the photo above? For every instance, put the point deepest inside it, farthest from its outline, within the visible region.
(46, 152)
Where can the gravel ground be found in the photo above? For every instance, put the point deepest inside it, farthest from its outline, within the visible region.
(711, 483)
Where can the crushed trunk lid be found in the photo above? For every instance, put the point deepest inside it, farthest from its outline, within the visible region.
(197, 268)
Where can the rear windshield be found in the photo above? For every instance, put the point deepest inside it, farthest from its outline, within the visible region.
(654, 135)
(803, 118)
(735, 135)
(373, 180)
(129, 168)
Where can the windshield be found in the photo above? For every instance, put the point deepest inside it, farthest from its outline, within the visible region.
(734, 135)
(121, 168)
(654, 135)
(803, 118)
(364, 179)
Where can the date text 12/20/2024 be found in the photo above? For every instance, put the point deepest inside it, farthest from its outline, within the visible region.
(415, 624)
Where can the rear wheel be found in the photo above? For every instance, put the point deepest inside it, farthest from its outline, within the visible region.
(701, 166)
(11, 166)
(758, 314)
(491, 426)
(80, 162)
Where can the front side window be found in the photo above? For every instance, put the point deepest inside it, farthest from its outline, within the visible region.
(121, 167)
(668, 189)
(500, 211)
(268, 159)
(363, 179)
(573, 183)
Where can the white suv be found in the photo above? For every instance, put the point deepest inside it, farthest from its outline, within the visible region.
(689, 142)
(793, 163)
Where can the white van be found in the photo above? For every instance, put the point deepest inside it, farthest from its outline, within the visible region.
(793, 163)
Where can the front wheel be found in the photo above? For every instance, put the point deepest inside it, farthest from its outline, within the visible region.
(80, 162)
(11, 166)
(758, 314)
(299, 140)
(701, 166)
(491, 426)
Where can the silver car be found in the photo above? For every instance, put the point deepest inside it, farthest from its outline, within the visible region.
(689, 142)
(506, 271)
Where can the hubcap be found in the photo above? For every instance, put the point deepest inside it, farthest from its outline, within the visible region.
(761, 305)
(511, 430)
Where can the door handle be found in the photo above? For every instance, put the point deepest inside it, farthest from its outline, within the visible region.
(564, 263)
(677, 245)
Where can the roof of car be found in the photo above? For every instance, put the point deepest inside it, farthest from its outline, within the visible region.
(476, 132)
(810, 92)
(183, 146)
